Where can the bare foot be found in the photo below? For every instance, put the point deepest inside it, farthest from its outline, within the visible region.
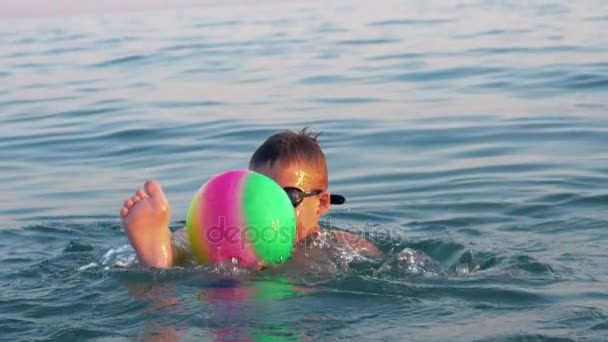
(145, 218)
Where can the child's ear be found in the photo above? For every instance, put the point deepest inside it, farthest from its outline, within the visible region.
(324, 202)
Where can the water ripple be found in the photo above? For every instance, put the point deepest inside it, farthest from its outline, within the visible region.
(408, 22)
(442, 74)
(128, 60)
(376, 41)
(498, 32)
(346, 100)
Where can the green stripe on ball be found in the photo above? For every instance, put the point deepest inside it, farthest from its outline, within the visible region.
(270, 218)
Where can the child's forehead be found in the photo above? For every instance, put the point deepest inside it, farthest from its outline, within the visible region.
(298, 172)
(294, 174)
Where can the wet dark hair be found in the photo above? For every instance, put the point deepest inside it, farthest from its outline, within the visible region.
(291, 147)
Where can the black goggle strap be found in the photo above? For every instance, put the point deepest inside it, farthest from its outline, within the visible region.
(337, 199)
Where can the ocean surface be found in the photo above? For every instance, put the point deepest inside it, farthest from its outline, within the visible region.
(470, 139)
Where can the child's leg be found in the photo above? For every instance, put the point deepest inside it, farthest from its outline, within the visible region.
(145, 218)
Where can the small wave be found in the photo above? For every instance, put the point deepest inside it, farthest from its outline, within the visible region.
(324, 79)
(408, 262)
(116, 40)
(346, 100)
(76, 247)
(496, 32)
(121, 61)
(63, 51)
(224, 23)
(597, 18)
(123, 256)
(31, 101)
(551, 9)
(186, 104)
(522, 50)
(529, 265)
(527, 337)
(376, 41)
(398, 56)
(409, 22)
(443, 74)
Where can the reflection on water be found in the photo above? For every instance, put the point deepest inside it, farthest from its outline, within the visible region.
(223, 310)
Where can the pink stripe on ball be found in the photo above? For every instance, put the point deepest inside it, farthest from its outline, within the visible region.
(225, 234)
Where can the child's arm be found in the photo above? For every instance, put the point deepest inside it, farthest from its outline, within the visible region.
(182, 252)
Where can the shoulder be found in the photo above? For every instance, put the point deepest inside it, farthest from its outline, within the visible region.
(358, 243)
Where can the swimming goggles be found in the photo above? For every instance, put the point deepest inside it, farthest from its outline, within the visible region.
(296, 196)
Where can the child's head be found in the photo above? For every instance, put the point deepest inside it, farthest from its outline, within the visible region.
(296, 161)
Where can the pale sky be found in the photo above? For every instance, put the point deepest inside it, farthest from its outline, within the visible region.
(36, 8)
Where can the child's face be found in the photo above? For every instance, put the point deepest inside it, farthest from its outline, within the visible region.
(305, 178)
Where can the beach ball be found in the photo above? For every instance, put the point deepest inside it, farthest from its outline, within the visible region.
(242, 217)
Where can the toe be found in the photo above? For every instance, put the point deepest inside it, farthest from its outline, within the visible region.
(157, 196)
(135, 198)
(128, 203)
(124, 211)
(141, 194)
(153, 188)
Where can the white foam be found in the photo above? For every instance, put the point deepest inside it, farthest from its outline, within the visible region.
(123, 256)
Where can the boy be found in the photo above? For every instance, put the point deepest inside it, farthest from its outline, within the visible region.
(294, 160)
